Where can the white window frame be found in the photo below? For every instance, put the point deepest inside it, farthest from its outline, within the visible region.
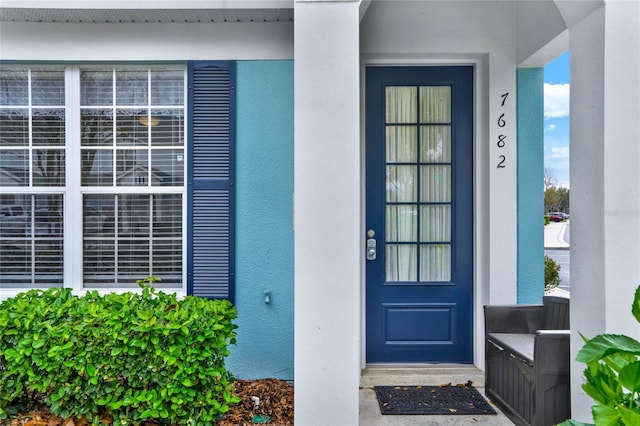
(73, 191)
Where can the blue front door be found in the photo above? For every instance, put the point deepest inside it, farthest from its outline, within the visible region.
(419, 172)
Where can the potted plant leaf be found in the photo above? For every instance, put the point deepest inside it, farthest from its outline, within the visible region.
(612, 376)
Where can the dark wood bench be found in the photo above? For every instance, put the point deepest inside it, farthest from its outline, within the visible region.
(527, 361)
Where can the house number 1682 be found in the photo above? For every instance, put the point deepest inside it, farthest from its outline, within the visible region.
(502, 139)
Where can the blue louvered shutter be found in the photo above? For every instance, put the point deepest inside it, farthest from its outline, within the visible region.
(210, 263)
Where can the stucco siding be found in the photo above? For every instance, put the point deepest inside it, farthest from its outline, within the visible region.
(264, 220)
(530, 191)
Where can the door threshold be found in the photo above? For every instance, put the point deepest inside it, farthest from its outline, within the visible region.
(420, 375)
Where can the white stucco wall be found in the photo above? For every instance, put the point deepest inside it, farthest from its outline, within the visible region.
(145, 42)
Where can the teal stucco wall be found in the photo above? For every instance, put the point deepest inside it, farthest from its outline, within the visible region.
(264, 220)
(530, 113)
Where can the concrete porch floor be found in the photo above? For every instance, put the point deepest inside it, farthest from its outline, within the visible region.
(426, 376)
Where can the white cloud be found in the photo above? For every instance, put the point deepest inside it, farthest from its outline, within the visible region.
(558, 153)
(556, 100)
(549, 127)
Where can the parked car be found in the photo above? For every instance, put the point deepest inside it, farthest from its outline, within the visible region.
(558, 216)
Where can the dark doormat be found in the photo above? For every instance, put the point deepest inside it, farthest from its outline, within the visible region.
(460, 399)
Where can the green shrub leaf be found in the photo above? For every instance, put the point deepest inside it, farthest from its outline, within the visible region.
(629, 417)
(83, 355)
(630, 377)
(605, 416)
(607, 344)
(635, 309)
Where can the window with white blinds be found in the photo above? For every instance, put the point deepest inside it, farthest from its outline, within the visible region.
(92, 164)
(132, 145)
(32, 176)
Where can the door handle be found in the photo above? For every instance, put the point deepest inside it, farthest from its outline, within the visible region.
(372, 250)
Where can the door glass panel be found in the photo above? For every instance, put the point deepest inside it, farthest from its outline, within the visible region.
(435, 262)
(418, 184)
(401, 104)
(402, 144)
(401, 262)
(436, 184)
(401, 184)
(401, 223)
(435, 144)
(435, 223)
(435, 104)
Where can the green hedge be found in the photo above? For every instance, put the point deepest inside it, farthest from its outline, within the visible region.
(134, 356)
(551, 273)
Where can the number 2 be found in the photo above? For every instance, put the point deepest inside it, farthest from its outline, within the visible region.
(502, 160)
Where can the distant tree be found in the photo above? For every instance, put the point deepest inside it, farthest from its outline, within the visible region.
(556, 199)
(550, 179)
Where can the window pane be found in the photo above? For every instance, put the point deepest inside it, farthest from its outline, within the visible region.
(48, 167)
(435, 262)
(14, 167)
(131, 128)
(133, 260)
(146, 239)
(15, 263)
(31, 231)
(402, 144)
(132, 167)
(167, 216)
(132, 87)
(47, 87)
(133, 215)
(48, 216)
(436, 184)
(14, 86)
(435, 144)
(401, 223)
(14, 127)
(401, 184)
(435, 104)
(98, 215)
(97, 127)
(167, 87)
(167, 261)
(435, 223)
(37, 126)
(96, 87)
(167, 127)
(97, 167)
(401, 262)
(167, 167)
(401, 104)
(99, 262)
(47, 127)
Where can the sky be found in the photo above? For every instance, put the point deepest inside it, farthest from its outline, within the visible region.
(556, 118)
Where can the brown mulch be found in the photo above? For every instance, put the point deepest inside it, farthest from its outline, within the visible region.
(276, 404)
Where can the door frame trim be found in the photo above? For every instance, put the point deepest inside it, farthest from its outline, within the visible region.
(480, 63)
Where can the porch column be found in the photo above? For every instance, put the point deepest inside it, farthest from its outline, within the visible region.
(605, 177)
(327, 212)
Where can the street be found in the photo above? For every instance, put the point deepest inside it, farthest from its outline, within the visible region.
(562, 257)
